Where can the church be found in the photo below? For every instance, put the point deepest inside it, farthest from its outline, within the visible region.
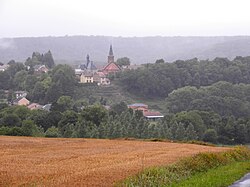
(88, 73)
(111, 67)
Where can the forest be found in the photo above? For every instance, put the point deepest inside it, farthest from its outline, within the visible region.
(204, 100)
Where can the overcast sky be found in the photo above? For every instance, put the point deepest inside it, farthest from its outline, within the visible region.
(124, 17)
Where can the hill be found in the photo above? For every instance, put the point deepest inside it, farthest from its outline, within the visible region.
(73, 49)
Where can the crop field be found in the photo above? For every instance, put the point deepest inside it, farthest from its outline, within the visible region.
(27, 161)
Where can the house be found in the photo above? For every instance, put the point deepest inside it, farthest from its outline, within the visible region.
(101, 79)
(4, 67)
(20, 94)
(148, 114)
(139, 106)
(21, 101)
(97, 77)
(87, 77)
(40, 69)
(111, 67)
(152, 115)
(34, 106)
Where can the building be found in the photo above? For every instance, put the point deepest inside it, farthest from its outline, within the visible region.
(4, 67)
(111, 67)
(21, 101)
(20, 94)
(101, 79)
(139, 106)
(40, 69)
(89, 66)
(148, 114)
(152, 115)
(34, 106)
(87, 77)
(94, 77)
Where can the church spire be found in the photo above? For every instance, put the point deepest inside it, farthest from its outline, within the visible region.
(111, 55)
(111, 51)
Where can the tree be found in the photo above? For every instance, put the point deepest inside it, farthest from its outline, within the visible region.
(190, 133)
(19, 79)
(64, 103)
(63, 83)
(95, 114)
(210, 135)
(118, 108)
(160, 61)
(48, 60)
(30, 129)
(52, 132)
(11, 120)
(125, 61)
(38, 93)
(180, 132)
(68, 122)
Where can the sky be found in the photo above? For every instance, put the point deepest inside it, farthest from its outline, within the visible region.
(128, 18)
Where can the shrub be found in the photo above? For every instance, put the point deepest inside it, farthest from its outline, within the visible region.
(15, 131)
(52, 132)
(4, 130)
(164, 176)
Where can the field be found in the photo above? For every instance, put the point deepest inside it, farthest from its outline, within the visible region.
(27, 161)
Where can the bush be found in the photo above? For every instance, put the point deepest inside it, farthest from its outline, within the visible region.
(166, 176)
(30, 128)
(15, 131)
(52, 132)
(4, 130)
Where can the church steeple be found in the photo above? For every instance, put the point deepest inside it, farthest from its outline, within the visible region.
(111, 51)
(111, 55)
(87, 58)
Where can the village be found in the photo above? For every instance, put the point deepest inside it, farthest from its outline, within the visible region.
(85, 73)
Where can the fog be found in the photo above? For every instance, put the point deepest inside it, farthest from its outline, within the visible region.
(124, 18)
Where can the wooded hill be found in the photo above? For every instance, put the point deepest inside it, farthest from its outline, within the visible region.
(139, 49)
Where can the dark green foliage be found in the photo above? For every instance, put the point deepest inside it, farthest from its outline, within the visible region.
(30, 129)
(94, 114)
(15, 131)
(52, 132)
(160, 61)
(124, 61)
(160, 79)
(222, 98)
(11, 120)
(63, 83)
(210, 135)
(48, 60)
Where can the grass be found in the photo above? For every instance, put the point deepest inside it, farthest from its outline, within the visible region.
(217, 177)
(195, 170)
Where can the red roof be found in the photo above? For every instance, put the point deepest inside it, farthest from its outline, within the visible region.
(152, 114)
(110, 68)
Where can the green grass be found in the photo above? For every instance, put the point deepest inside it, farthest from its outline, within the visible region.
(222, 176)
(195, 169)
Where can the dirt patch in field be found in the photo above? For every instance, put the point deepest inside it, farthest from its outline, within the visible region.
(26, 161)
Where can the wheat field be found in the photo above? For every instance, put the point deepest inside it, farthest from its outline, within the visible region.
(28, 161)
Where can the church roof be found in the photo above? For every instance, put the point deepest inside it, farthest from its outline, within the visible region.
(91, 66)
(111, 67)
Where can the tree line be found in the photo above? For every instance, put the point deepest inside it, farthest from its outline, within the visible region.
(159, 79)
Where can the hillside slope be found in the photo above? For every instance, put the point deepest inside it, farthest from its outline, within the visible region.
(139, 49)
